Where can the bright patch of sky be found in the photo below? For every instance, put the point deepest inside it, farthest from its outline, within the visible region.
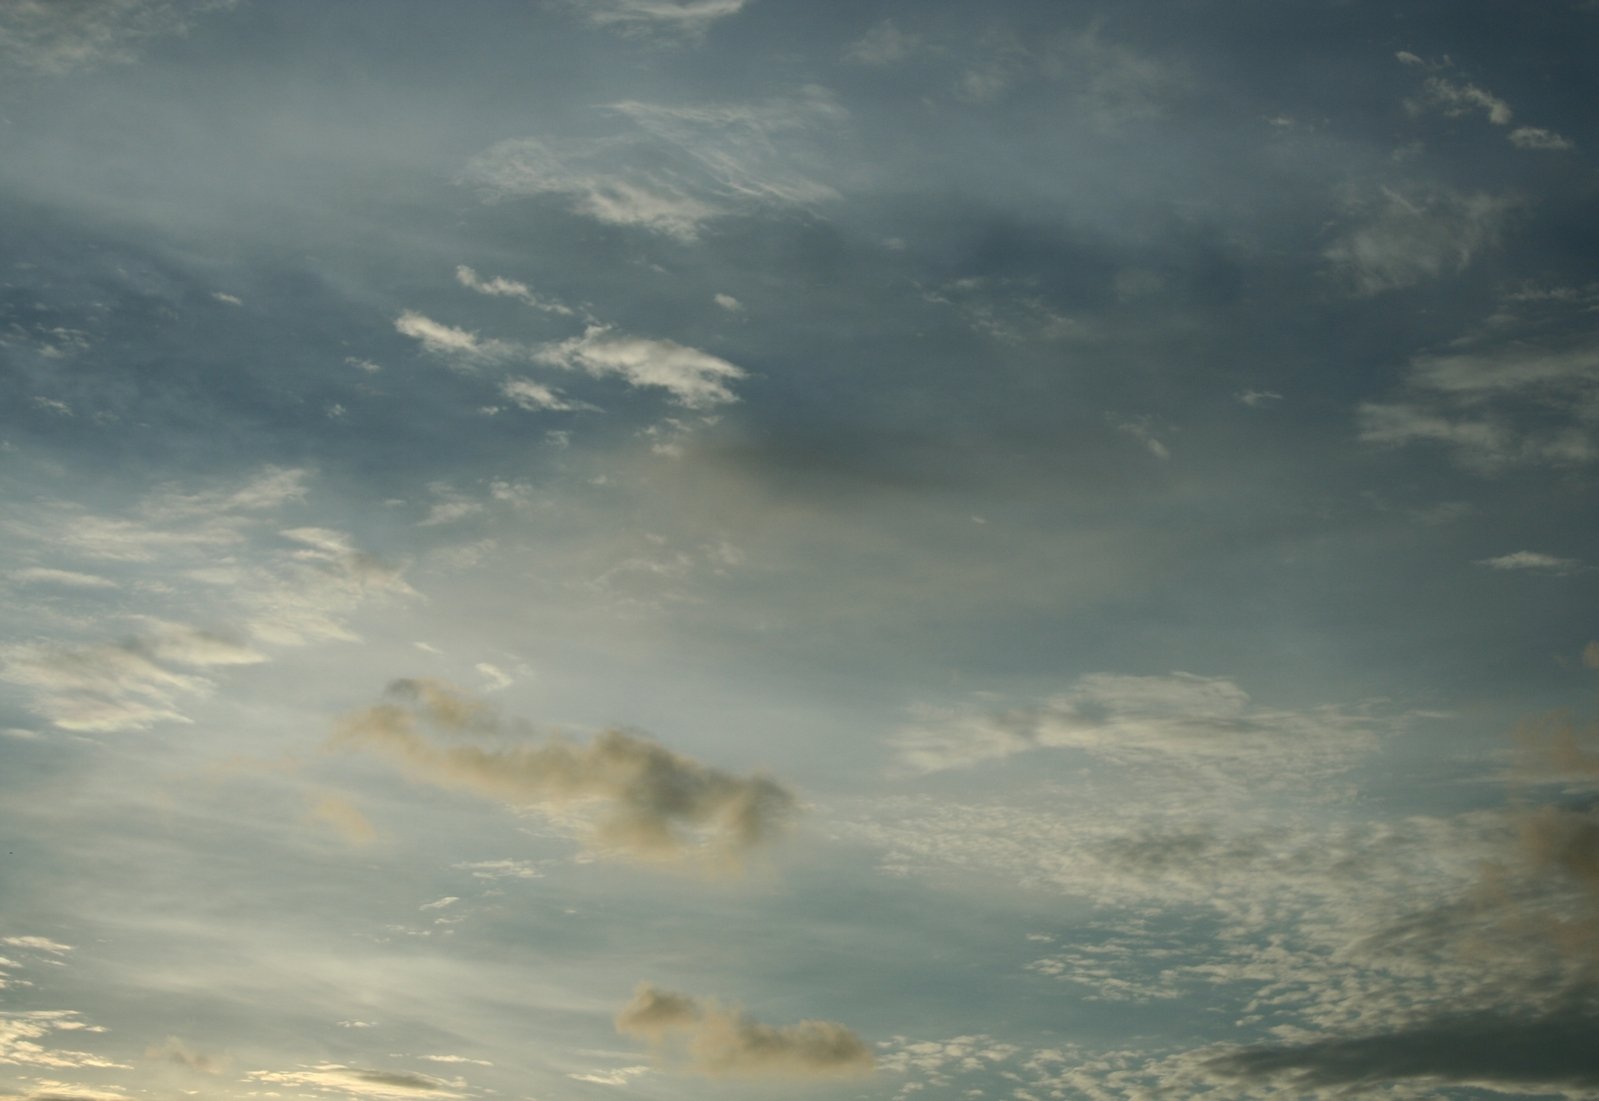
(742, 548)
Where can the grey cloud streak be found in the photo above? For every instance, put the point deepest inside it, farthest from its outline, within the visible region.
(1485, 1050)
(658, 806)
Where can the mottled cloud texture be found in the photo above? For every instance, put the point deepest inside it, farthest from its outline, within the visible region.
(654, 805)
(724, 1042)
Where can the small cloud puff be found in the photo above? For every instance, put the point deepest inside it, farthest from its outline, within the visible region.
(695, 379)
(724, 1042)
(1532, 560)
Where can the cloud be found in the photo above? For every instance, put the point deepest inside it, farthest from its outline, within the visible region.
(1492, 1051)
(37, 944)
(695, 379)
(259, 595)
(1534, 137)
(882, 44)
(71, 579)
(1398, 239)
(653, 804)
(98, 688)
(725, 1042)
(534, 396)
(1257, 398)
(673, 169)
(1139, 429)
(1459, 99)
(174, 1050)
(168, 521)
(458, 346)
(380, 1085)
(1203, 721)
(1531, 560)
(24, 1039)
(499, 869)
(685, 18)
(507, 288)
(58, 36)
(344, 818)
(1509, 395)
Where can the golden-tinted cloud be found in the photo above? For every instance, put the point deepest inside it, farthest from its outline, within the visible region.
(653, 804)
(722, 1041)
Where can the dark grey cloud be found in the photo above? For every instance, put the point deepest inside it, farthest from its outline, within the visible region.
(1504, 1053)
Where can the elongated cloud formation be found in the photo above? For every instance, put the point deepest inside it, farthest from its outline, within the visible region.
(657, 805)
(720, 1041)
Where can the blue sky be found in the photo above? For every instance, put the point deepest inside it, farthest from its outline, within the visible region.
(570, 549)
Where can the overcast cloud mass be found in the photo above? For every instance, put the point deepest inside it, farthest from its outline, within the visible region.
(723, 549)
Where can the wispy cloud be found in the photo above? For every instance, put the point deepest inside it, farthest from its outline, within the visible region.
(379, 1085)
(725, 1042)
(674, 168)
(671, 18)
(1510, 394)
(694, 379)
(1397, 239)
(500, 287)
(1532, 560)
(1198, 720)
(59, 36)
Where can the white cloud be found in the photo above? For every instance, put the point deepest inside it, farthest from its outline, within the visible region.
(729, 303)
(501, 287)
(1257, 398)
(1532, 560)
(1207, 724)
(59, 36)
(71, 579)
(1499, 398)
(458, 346)
(1139, 428)
(676, 168)
(495, 678)
(688, 18)
(229, 299)
(534, 396)
(1459, 99)
(500, 869)
(120, 686)
(37, 944)
(695, 379)
(26, 1038)
(883, 44)
(1398, 239)
(257, 594)
(379, 1085)
(1535, 137)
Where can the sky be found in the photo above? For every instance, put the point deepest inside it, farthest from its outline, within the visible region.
(567, 550)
